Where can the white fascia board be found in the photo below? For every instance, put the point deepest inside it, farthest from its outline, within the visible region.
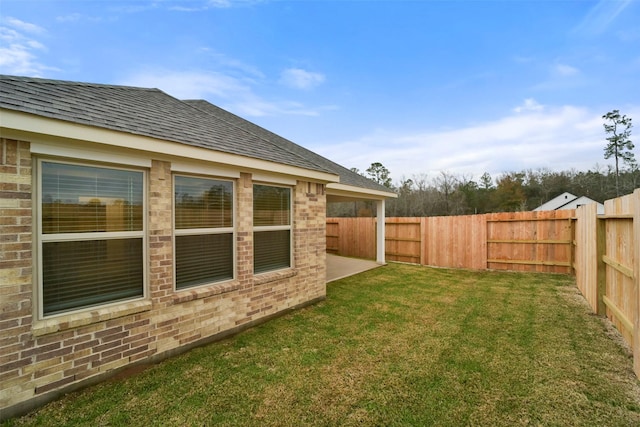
(88, 151)
(273, 179)
(342, 190)
(30, 127)
(203, 168)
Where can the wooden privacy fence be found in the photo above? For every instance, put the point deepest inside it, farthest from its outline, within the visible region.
(606, 265)
(603, 251)
(522, 241)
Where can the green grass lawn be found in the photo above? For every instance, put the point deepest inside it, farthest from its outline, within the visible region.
(399, 345)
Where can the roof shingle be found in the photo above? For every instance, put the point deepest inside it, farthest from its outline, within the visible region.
(347, 176)
(153, 113)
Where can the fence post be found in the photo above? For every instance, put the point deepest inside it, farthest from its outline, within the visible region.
(601, 269)
(422, 238)
(381, 241)
(636, 282)
(426, 237)
(486, 241)
(572, 248)
(484, 244)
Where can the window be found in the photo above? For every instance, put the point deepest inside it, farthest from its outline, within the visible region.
(272, 228)
(203, 230)
(91, 236)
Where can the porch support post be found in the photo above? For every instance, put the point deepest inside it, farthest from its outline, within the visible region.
(380, 241)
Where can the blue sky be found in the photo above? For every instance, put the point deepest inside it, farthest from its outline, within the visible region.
(423, 87)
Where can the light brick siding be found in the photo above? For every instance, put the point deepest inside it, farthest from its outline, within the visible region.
(16, 341)
(41, 358)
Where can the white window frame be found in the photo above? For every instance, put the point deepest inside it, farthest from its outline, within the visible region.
(41, 238)
(200, 231)
(257, 229)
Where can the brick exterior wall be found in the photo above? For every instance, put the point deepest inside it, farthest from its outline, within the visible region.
(39, 359)
(15, 274)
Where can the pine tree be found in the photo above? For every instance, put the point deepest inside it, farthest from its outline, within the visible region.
(619, 146)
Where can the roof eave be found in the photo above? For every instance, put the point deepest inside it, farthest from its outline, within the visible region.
(352, 192)
(20, 125)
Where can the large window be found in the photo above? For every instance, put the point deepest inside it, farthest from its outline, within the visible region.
(203, 230)
(272, 228)
(91, 236)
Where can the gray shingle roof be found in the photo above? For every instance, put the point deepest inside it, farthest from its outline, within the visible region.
(347, 176)
(153, 113)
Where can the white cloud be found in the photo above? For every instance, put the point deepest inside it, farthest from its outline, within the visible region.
(629, 34)
(565, 70)
(529, 104)
(554, 137)
(188, 85)
(561, 77)
(232, 3)
(74, 17)
(23, 26)
(219, 3)
(601, 16)
(233, 65)
(213, 4)
(19, 50)
(298, 78)
(520, 59)
(232, 93)
(188, 9)
(77, 17)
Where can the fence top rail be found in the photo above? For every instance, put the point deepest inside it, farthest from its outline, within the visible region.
(615, 216)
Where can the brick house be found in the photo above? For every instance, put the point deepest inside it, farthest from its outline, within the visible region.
(135, 226)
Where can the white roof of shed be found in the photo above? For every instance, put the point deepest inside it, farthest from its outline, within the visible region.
(566, 201)
(557, 202)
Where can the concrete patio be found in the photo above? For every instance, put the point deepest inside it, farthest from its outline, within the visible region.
(339, 267)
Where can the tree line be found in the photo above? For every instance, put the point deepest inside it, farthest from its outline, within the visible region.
(451, 194)
(459, 194)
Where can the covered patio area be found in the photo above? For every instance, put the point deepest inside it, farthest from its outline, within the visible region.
(339, 267)
(353, 188)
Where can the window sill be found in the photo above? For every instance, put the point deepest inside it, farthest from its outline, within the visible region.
(64, 322)
(273, 276)
(191, 294)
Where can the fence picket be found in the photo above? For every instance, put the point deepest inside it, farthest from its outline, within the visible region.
(599, 249)
(516, 241)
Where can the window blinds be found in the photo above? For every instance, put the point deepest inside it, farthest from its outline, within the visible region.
(92, 235)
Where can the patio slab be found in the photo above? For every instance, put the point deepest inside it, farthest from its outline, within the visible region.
(339, 267)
